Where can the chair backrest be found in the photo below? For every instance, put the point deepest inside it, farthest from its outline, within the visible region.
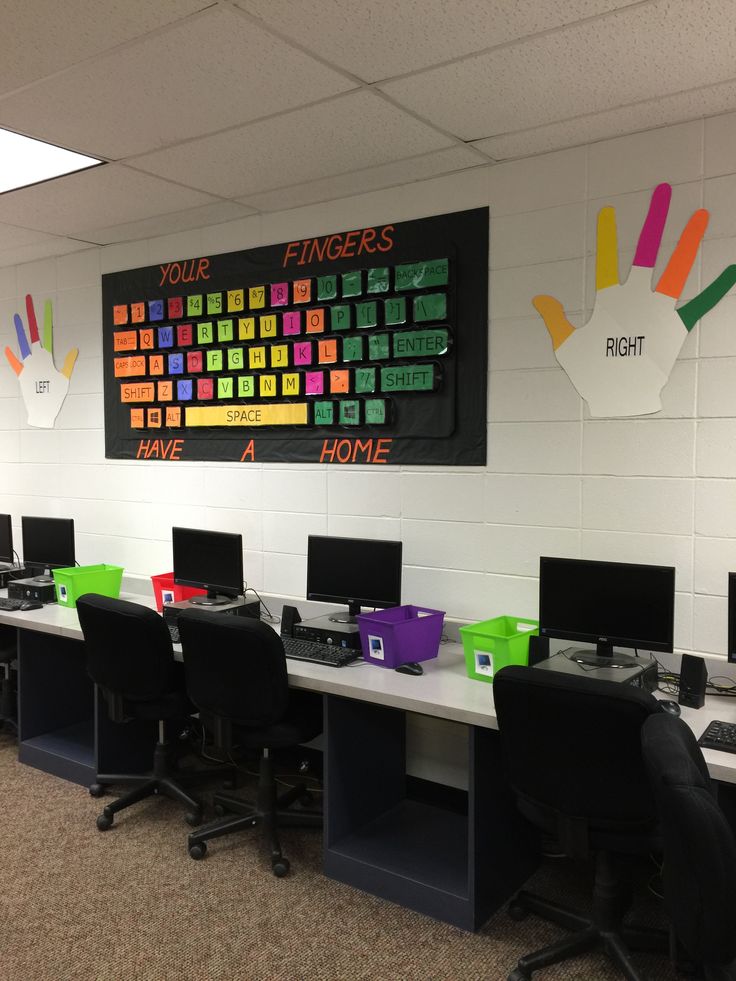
(128, 647)
(699, 874)
(235, 667)
(573, 751)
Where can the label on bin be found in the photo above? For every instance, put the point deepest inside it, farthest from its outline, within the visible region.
(484, 662)
(375, 646)
(167, 596)
(62, 593)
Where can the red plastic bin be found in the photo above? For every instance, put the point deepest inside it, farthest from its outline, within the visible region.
(167, 591)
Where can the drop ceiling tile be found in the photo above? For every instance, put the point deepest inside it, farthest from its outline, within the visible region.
(638, 53)
(41, 250)
(55, 35)
(402, 172)
(354, 131)
(384, 38)
(615, 122)
(201, 75)
(96, 198)
(178, 221)
(13, 236)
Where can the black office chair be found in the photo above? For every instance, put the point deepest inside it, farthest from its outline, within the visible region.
(699, 872)
(131, 659)
(236, 676)
(573, 751)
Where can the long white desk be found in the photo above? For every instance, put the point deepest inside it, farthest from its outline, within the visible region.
(458, 865)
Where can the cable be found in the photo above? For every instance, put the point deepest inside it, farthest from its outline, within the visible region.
(269, 617)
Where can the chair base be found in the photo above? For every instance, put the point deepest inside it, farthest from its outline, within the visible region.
(164, 781)
(269, 811)
(604, 928)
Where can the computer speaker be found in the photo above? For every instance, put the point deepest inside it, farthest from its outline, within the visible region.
(289, 618)
(693, 678)
(538, 649)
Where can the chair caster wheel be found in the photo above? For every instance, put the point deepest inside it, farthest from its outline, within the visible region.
(280, 866)
(96, 790)
(519, 975)
(219, 810)
(517, 912)
(104, 821)
(198, 851)
(193, 818)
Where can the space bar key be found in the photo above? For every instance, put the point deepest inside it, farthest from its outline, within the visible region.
(257, 414)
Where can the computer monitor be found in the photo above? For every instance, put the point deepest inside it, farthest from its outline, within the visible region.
(353, 571)
(607, 604)
(211, 560)
(6, 540)
(732, 617)
(48, 543)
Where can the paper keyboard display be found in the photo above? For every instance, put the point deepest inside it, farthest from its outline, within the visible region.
(367, 346)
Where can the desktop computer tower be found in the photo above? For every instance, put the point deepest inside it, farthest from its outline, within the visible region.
(29, 589)
(238, 607)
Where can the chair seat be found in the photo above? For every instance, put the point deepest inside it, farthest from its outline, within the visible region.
(172, 705)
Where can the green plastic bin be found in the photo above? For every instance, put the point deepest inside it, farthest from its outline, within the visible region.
(75, 581)
(492, 644)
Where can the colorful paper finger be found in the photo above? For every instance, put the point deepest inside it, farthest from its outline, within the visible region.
(606, 256)
(32, 324)
(673, 279)
(48, 327)
(650, 236)
(21, 335)
(553, 314)
(691, 312)
(69, 362)
(14, 363)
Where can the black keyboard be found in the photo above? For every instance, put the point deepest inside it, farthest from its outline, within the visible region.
(307, 650)
(10, 604)
(174, 631)
(719, 735)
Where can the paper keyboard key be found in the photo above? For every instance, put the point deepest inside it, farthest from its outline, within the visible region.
(165, 391)
(257, 297)
(267, 387)
(184, 390)
(421, 343)
(154, 418)
(279, 294)
(246, 387)
(136, 392)
(326, 288)
(327, 351)
(302, 352)
(431, 306)
(420, 275)
(175, 307)
(214, 361)
(339, 381)
(156, 310)
(137, 419)
(290, 384)
(120, 314)
(224, 331)
(315, 320)
(235, 301)
(394, 311)
(195, 362)
(165, 337)
(214, 303)
(408, 378)
(324, 413)
(176, 364)
(302, 290)
(173, 416)
(145, 338)
(352, 283)
(205, 333)
(225, 388)
(375, 412)
(246, 328)
(292, 322)
(137, 313)
(341, 317)
(314, 383)
(205, 388)
(365, 380)
(378, 280)
(256, 358)
(280, 355)
(378, 347)
(254, 414)
(194, 305)
(156, 364)
(184, 335)
(349, 412)
(235, 360)
(352, 349)
(366, 314)
(129, 367)
(125, 340)
(267, 325)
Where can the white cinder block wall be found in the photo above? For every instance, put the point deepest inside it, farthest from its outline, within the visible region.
(658, 489)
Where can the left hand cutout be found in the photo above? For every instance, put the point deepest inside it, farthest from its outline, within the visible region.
(43, 387)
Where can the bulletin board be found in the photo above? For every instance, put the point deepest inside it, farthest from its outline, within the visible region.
(367, 346)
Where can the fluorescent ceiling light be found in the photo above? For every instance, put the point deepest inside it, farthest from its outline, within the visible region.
(24, 161)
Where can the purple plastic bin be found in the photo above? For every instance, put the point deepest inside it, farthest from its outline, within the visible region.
(400, 634)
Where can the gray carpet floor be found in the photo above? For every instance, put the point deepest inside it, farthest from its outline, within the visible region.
(78, 905)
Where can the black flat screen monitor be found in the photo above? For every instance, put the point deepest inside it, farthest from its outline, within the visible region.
(353, 571)
(6, 540)
(211, 560)
(48, 543)
(607, 604)
(732, 617)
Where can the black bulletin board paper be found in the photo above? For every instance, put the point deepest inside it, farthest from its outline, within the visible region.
(368, 346)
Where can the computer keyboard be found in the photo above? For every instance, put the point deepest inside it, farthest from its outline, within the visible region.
(719, 735)
(307, 650)
(10, 604)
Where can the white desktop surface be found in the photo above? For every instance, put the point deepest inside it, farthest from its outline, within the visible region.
(443, 691)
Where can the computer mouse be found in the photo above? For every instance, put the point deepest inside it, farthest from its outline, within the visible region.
(669, 706)
(30, 605)
(411, 667)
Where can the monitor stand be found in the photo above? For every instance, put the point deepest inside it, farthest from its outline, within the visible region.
(45, 580)
(341, 617)
(603, 656)
(211, 599)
